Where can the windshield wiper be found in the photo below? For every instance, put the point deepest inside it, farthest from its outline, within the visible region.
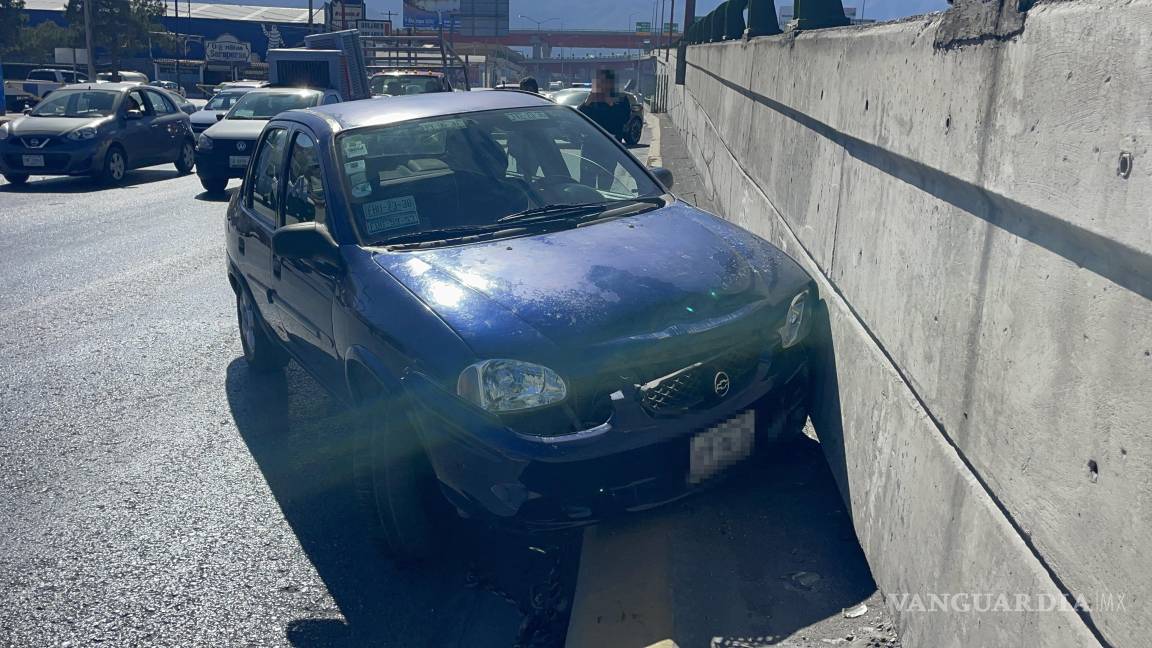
(547, 212)
(439, 234)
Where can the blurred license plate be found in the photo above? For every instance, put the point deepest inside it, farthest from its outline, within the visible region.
(33, 160)
(720, 446)
(238, 160)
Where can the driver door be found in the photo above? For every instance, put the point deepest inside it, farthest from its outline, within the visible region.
(302, 289)
(140, 140)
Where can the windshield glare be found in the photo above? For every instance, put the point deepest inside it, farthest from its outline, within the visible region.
(266, 105)
(77, 103)
(571, 97)
(395, 84)
(473, 169)
(223, 101)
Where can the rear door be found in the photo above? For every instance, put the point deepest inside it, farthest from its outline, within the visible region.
(303, 290)
(168, 125)
(259, 215)
(140, 140)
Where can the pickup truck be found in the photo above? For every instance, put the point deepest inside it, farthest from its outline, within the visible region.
(19, 95)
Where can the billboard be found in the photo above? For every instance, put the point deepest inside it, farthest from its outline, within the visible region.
(430, 14)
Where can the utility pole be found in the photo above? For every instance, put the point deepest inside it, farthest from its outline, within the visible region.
(88, 40)
(682, 48)
(659, 26)
(671, 20)
(179, 45)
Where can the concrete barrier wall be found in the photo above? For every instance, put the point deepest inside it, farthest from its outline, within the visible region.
(988, 274)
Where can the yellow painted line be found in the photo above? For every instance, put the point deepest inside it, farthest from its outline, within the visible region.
(653, 124)
(623, 593)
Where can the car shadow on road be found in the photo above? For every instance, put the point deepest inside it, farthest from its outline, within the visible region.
(224, 197)
(85, 184)
(299, 438)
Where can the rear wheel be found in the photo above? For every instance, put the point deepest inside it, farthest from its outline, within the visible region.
(396, 482)
(633, 131)
(187, 158)
(213, 185)
(263, 354)
(18, 179)
(115, 166)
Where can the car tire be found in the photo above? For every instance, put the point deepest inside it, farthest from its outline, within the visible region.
(17, 179)
(186, 159)
(263, 353)
(115, 166)
(214, 185)
(633, 132)
(395, 481)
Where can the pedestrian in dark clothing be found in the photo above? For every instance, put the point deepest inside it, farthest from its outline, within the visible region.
(529, 84)
(605, 107)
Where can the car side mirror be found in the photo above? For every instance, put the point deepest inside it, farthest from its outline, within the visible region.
(307, 242)
(220, 116)
(663, 175)
(27, 111)
(133, 114)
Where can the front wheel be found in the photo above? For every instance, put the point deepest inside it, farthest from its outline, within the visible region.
(115, 166)
(213, 185)
(263, 354)
(187, 158)
(396, 482)
(633, 131)
(18, 179)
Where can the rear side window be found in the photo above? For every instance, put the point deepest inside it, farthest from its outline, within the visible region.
(41, 75)
(160, 104)
(266, 170)
(304, 200)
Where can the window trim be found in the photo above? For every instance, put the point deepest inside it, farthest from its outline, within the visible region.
(295, 133)
(250, 181)
(168, 104)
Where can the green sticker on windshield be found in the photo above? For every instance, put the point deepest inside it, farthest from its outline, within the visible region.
(443, 124)
(527, 115)
(389, 214)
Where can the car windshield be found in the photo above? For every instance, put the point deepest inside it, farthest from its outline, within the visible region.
(571, 97)
(474, 170)
(223, 101)
(401, 84)
(266, 105)
(77, 103)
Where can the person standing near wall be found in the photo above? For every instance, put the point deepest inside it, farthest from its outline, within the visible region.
(605, 107)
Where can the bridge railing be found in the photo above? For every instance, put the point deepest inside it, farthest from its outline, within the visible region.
(737, 19)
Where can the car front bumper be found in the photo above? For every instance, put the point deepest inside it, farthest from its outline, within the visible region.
(632, 462)
(218, 161)
(60, 157)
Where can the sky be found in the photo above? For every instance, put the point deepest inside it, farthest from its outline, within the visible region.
(621, 14)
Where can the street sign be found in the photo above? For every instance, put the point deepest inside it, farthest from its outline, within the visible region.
(227, 49)
(643, 27)
(374, 28)
(675, 28)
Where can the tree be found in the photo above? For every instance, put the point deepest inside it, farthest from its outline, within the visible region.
(39, 43)
(119, 27)
(12, 19)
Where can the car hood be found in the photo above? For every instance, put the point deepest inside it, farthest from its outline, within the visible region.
(661, 274)
(239, 129)
(29, 125)
(204, 116)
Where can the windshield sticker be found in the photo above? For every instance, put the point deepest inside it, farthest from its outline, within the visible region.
(355, 166)
(443, 124)
(354, 147)
(527, 115)
(362, 189)
(243, 112)
(390, 214)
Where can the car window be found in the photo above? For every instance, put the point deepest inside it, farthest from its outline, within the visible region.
(77, 103)
(304, 199)
(136, 101)
(331, 99)
(41, 75)
(475, 168)
(266, 105)
(161, 104)
(223, 101)
(266, 171)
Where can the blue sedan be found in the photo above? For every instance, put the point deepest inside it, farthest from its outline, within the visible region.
(527, 326)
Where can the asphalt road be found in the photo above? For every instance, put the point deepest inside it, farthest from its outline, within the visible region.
(154, 491)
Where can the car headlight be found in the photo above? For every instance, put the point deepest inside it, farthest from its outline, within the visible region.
(4, 131)
(510, 385)
(85, 133)
(793, 329)
(204, 143)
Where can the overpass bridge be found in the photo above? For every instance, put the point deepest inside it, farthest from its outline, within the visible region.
(971, 190)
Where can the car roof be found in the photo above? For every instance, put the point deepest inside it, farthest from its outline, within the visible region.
(429, 73)
(377, 112)
(279, 90)
(116, 87)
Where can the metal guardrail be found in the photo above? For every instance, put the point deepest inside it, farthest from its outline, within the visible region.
(727, 21)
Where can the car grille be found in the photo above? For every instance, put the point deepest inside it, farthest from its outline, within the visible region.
(52, 162)
(200, 128)
(37, 142)
(702, 384)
